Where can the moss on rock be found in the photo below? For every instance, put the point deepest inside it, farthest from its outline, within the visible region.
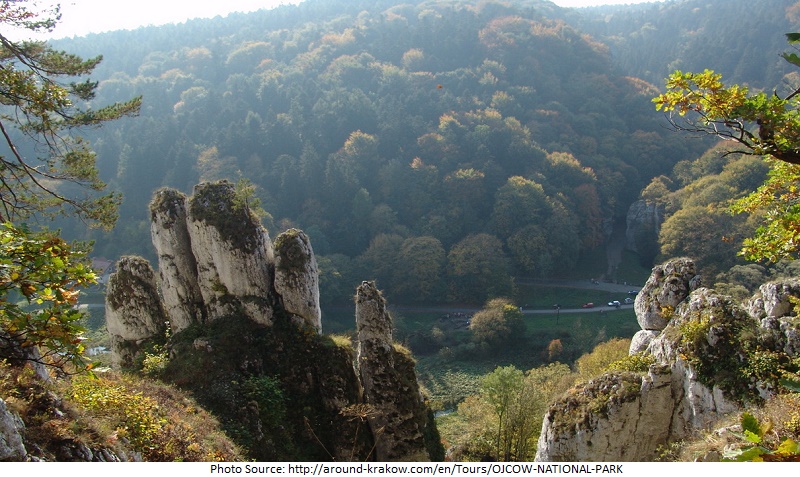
(215, 203)
(169, 204)
(715, 336)
(292, 250)
(593, 399)
(314, 375)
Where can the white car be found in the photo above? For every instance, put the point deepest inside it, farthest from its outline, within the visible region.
(615, 303)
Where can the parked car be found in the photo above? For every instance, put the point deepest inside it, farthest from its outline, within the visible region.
(615, 303)
(587, 305)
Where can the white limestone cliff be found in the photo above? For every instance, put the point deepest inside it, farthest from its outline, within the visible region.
(698, 342)
(11, 429)
(642, 215)
(668, 285)
(399, 413)
(217, 263)
(605, 420)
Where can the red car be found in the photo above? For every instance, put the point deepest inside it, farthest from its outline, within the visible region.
(587, 305)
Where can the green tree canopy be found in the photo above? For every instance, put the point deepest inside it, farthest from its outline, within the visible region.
(420, 272)
(40, 279)
(46, 108)
(762, 124)
(503, 421)
(45, 97)
(478, 268)
(778, 237)
(519, 202)
(497, 324)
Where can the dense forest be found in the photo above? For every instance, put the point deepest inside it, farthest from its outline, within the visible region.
(415, 142)
(419, 143)
(741, 40)
(460, 152)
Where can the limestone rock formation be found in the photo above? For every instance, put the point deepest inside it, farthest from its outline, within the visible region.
(11, 427)
(15, 353)
(602, 420)
(399, 414)
(177, 266)
(297, 277)
(18, 444)
(785, 334)
(668, 403)
(134, 311)
(643, 222)
(233, 252)
(772, 306)
(698, 341)
(641, 340)
(668, 285)
(248, 354)
(705, 330)
(772, 299)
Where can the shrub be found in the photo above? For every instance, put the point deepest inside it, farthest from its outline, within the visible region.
(758, 448)
(157, 420)
(132, 415)
(602, 357)
(638, 363)
(155, 361)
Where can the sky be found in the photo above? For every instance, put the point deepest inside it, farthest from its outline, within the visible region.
(80, 17)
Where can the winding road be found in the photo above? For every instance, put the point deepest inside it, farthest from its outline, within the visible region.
(580, 284)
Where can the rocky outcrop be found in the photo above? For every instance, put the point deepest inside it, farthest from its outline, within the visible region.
(698, 342)
(47, 439)
(772, 299)
(134, 310)
(297, 277)
(399, 414)
(72, 450)
(15, 353)
(12, 448)
(772, 305)
(641, 340)
(668, 285)
(177, 266)
(784, 334)
(215, 260)
(603, 420)
(246, 323)
(702, 346)
(643, 223)
(233, 252)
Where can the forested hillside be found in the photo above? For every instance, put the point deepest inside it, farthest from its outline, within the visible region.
(741, 40)
(436, 129)
(438, 147)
